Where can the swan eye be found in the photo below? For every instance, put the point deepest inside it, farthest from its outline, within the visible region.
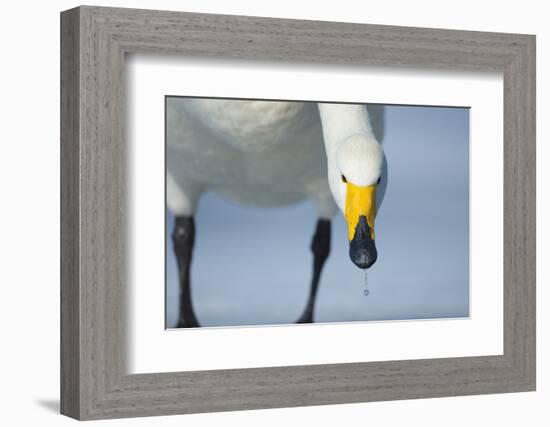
(379, 179)
(344, 180)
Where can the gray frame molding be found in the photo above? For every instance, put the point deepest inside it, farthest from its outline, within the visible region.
(94, 41)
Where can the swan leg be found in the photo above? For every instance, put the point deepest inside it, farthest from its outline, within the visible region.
(320, 246)
(183, 238)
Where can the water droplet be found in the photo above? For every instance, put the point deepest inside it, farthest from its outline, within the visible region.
(366, 291)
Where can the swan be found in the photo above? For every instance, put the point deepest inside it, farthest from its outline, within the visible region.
(272, 153)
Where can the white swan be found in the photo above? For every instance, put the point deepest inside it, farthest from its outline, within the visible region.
(268, 153)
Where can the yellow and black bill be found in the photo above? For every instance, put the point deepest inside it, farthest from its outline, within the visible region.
(360, 213)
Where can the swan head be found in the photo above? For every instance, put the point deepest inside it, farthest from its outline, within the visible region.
(354, 181)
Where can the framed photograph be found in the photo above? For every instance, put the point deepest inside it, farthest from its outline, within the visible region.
(261, 213)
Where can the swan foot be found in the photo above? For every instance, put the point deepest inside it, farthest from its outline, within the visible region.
(192, 323)
(320, 246)
(305, 318)
(183, 239)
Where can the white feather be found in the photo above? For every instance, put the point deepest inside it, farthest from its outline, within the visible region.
(266, 153)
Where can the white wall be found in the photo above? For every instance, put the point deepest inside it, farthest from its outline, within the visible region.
(29, 230)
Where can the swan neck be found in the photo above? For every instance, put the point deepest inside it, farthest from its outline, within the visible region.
(340, 121)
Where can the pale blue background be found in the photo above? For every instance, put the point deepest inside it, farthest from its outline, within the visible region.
(253, 265)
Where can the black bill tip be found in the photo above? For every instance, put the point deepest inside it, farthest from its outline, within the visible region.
(362, 250)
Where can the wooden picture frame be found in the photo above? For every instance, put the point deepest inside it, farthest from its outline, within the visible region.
(94, 41)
